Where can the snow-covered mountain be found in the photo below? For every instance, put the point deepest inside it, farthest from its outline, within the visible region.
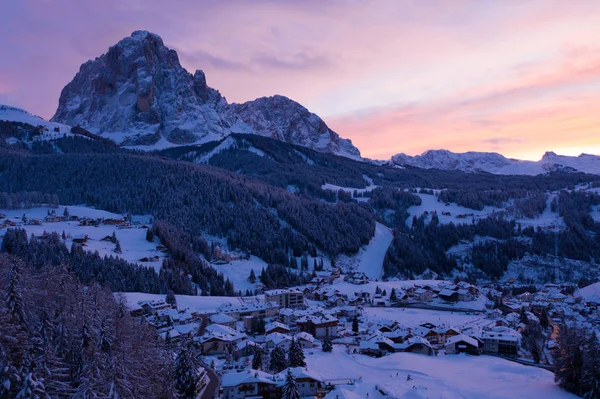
(138, 94)
(13, 114)
(495, 163)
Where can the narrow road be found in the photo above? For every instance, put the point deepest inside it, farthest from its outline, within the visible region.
(212, 389)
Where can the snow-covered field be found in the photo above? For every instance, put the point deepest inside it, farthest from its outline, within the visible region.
(369, 259)
(193, 303)
(443, 376)
(133, 240)
(430, 204)
(546, 219)
(589, 293)
(238, 271)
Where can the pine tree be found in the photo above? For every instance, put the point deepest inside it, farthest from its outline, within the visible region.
(277, 361)
(377, 290)
(327, 346)
(171, 299)
(393, 296)
(149, 235)
(296, 355)
(568, 359)
(186, 373)
(113, 238)
(257, 360)
(66, 212)
(252, 277)
(355, 324)
(118, 247)
(14, 299)
(290, 388)
(384, 293)
(590, 380)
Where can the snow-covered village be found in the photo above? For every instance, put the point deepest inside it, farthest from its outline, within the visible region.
(385, 199)
(345, 333)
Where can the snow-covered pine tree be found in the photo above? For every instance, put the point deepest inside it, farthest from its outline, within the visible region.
(171, 299)
(257, 360)
(290, 388)
(277, 361)
(252, 277)
(393, 296)
(32, 388)
(590, 380)
(568, 359)
(118, 248)
(296, 355)
(186, 373)
(14, 299)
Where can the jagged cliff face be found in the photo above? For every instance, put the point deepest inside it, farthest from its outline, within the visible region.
(282, 119)
(139, 94)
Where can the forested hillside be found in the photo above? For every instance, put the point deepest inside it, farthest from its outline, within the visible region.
(62, 339)
(271, 199)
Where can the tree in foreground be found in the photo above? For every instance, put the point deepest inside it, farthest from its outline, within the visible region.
(186, 373)
(590, 380)
(296, 354)
(290, 389)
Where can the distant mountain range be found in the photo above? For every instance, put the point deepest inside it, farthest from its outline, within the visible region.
(138, 94)
(491, 162)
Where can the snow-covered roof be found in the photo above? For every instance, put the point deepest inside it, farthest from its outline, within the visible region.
(186, 328)
(278, 338)
(446, 292)
(283, 291)
(221, 332)
(463, 338)
(276, 324)
(298, 373)
(247, 377)
(221, 318)
(305, 336)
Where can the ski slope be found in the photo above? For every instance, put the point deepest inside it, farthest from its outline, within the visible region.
(369, 259)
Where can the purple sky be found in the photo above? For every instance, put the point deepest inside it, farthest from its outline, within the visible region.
(515, 76)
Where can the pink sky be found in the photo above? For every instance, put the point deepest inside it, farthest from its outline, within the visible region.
(517, 77)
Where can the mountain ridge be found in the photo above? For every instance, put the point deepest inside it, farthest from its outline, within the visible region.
(139, 95)
(495, 163)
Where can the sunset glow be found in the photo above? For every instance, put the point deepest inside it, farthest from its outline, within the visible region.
(515, 77)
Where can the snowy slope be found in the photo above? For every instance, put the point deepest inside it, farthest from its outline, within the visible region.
(451, 213)
(133, 240)
(369, 259)
(495, 163)
(13, 114)
(448, 377)
(589, 293)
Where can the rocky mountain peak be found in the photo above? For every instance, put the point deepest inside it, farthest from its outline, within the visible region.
(138, 94)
